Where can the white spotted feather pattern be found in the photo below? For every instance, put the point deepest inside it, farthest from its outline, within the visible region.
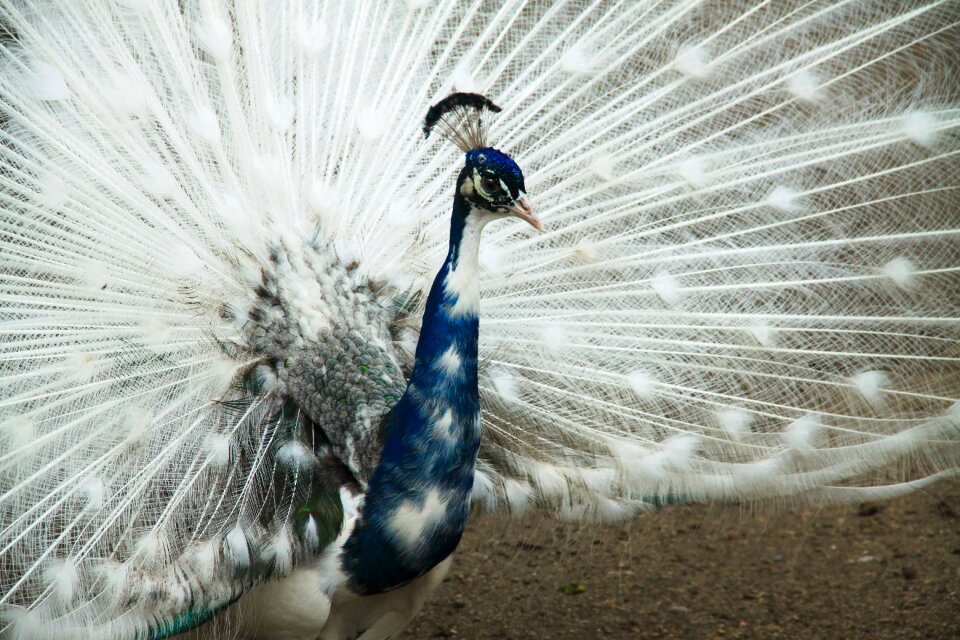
(747, 286)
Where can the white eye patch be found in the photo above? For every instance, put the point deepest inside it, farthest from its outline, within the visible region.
(478, 185)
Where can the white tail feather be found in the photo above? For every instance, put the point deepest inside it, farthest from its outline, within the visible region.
(747, 287)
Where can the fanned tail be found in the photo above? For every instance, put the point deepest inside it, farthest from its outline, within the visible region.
(749, 284)
(747, 287)
(149, 472)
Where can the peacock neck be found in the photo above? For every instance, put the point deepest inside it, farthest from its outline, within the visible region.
(418, 498)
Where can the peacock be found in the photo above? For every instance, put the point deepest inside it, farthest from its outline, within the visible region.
(244, 387)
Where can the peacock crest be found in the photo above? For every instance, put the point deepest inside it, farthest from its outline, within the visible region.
(459, 119)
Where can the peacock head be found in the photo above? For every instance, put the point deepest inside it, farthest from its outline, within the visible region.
(490, 181)
(493, 182)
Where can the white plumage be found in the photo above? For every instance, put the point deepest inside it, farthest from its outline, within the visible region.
(747, 287)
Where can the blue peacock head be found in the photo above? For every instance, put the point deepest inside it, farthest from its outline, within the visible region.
(490, 180)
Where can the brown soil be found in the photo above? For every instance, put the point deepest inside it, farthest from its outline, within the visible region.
(882, 571)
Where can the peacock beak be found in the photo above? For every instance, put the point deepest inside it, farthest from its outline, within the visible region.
(523, 209)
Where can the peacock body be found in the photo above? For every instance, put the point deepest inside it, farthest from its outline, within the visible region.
(237, 397)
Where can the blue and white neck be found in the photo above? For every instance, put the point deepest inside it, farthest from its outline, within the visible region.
(418, 498)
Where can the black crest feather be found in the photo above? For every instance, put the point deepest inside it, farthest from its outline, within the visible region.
(458, 119)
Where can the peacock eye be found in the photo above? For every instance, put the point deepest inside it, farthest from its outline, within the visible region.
(491, 184)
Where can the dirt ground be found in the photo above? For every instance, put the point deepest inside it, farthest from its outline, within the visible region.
(879, 571)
